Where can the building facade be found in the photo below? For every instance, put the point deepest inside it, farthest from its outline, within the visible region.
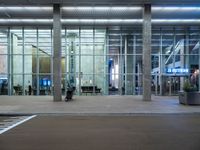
(137, 49)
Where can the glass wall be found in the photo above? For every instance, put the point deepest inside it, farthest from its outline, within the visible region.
(124, 60)
(98, 61)
(102, 60)
(175, 58)
(25, 64)
(3, 62)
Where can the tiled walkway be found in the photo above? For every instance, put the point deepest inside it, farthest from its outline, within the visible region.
(93, 105)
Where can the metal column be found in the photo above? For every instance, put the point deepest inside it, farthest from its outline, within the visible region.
(106, 59)
(93, 56)
(134, 63)
(23, 60)
(161, 63)
(126, 67)
(121, 80)
(9, 61)
(79, 60)
(37, 66)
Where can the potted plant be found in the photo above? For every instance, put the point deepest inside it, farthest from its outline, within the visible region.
(190, 95)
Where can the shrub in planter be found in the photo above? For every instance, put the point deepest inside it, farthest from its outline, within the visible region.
(188, 87)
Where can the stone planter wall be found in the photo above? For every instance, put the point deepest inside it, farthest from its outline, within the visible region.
(189, 98)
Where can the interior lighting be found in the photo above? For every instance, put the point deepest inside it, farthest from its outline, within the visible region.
(176, 8)
(26, 20)
(113, 75)
(117, 71)
(113, 8)
(102, 20)
(175, 20)
(25, 8)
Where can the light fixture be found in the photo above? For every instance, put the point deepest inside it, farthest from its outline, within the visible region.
(167, 8)
(175, 20)
(31, 8)
(102, 20)
(26, 20)
(112, 8)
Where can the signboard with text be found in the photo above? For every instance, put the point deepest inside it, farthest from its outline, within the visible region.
(177, 71)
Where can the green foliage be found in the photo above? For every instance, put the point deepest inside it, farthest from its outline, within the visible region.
(188, 87)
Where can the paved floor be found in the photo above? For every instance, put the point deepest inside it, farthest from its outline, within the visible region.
(92, 105)
(155, 132)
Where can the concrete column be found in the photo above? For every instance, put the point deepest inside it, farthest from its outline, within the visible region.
(57, 52)
(147, 52)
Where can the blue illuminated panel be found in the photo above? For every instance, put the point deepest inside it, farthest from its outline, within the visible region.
(177, 71)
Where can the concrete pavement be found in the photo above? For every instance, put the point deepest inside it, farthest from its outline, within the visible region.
(155, 132)
(93, 105)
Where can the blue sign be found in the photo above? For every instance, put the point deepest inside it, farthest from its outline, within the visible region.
(177, 70)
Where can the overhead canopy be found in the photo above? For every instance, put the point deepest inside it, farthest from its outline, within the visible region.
(93, 12)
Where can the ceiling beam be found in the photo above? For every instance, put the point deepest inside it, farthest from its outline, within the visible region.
(97, 2)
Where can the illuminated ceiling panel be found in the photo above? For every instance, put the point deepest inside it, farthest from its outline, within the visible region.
(98, 15)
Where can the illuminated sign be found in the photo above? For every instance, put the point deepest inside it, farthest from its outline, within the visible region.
(177, 70)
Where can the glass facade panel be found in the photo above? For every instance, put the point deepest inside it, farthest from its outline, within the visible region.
(100, 64)
(17, 64)
(44, 64)
(29, 64)
(30, 41)
(17, 84)
(45, 84)
(177, 59)
(87, 64)
(105, 60)
(16, 36)
(3, 41)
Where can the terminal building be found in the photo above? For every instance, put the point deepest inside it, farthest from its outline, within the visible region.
(107, 47)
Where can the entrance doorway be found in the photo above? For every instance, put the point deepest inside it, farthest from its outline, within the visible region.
(173, 85)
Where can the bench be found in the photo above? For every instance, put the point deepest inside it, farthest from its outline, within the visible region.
(89, 89)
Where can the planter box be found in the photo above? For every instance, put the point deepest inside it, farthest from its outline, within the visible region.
(189, 98)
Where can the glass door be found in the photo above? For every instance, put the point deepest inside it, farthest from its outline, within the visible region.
(172, 85)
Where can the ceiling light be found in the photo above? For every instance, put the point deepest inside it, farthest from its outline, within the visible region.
(176, 8)
(102, 20)
(102, 8)
(26, 20)
(175, 20)
(25, 8)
